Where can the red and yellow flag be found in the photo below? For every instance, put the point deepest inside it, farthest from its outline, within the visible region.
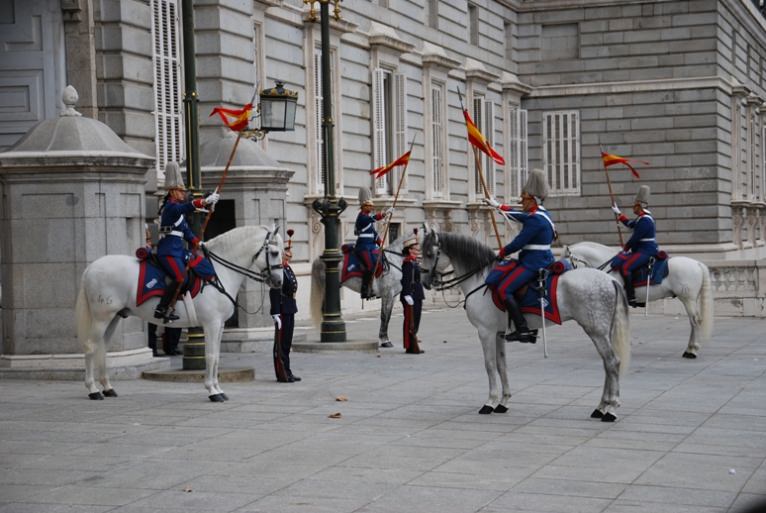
(381, 171)
(236, 119)
(476, 138)
(610, 160)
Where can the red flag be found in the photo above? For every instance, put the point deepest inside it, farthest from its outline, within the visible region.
(610, 160)
(476, 138)
(236, 119)
(381, 171)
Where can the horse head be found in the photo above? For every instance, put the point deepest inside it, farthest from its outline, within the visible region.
(433, 262)
(268, 259)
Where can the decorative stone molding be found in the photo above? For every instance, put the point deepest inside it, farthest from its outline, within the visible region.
(475, 71)
(436, 58)
(385, 38)
(439, 213)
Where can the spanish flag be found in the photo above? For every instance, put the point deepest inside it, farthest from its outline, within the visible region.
(476, 138)
(610, 160)
(236, 119)
(381, 171)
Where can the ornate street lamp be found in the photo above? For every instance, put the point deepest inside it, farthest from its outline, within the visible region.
(277, 109)
(330, 207)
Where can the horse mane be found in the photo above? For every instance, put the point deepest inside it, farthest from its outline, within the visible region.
(235, 237)
(590, 244)
(465, 251)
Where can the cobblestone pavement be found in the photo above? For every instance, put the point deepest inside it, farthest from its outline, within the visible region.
(691, 435)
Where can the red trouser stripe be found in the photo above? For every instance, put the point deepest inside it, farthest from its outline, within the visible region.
(626, 266)
(509, 280)
(179, 274)
(407, 323)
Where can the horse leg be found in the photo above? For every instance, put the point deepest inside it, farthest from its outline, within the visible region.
(93, 351)
(610, 398)
(213, 332)
(490, 365)
(694, 320)
(502, 369)
(387, 304)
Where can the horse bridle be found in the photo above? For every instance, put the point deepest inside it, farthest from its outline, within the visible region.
(264, 276)
(437, 281)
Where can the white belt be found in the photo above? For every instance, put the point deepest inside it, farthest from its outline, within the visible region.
(536, 247)
(646, 240)
(366, 235)
(174, 232)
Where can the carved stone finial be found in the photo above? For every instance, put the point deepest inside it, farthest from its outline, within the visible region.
(70, 98)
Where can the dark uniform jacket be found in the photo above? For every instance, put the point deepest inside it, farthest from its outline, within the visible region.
(283, 300)
(411, 285)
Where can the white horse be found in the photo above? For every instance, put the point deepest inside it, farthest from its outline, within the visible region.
(108, 292)
(387, 288)
(593, 299)
(688, 280)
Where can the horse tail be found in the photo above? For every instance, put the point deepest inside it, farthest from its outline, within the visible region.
(621, 328)
(706, 304)
(317, 291)
(84, 317)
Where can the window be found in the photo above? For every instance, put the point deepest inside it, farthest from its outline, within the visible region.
(432, 13)
(389, 120)
(484, 118)
(314, 109)
(473, 24)
(561, 151)
(517, 158)
(438, 164)
(168, 121)
(508, 29)
(560, 42)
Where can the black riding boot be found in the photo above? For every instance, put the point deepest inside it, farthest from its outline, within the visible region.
(163, 310)
(366, 279)
(522, 333)
(630, 291)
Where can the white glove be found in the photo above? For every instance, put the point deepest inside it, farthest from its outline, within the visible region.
(616, 209)
(492, 202)
(212, 199)
(409, 300)
(277, 320)
(389, 211)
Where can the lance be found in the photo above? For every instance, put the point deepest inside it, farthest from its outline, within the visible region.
(393, 206)
(611, 197)
(477, 159)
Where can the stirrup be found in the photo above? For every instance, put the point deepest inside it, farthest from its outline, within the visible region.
(525, 336)
(167, 315)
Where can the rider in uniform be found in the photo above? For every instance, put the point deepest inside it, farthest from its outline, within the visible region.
(174, 230)
(283, 310)
(534, 241)
(367, 240)
(412, 294)
(642, 244)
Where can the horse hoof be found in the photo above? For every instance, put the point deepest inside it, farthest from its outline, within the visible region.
(224, 396)
(597, 414)
(486, 410)
(216, 398)
(110, 393)
(687, 354)
(386, 344)
(95, 396)
(501, 409)
(609, 417)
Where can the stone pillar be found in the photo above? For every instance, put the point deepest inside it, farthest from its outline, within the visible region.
(258, 186)
(71, 192)
(80, 45)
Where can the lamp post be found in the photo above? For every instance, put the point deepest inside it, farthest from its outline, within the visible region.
(333, 327)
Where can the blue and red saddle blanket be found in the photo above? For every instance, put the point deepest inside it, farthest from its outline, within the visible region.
(151, 277)
(528, 297)
(659, 273)
(353, 267)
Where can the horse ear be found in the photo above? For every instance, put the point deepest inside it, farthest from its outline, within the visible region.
(275, 229)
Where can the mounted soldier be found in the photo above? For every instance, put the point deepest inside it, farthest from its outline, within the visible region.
(534, 243)
(367, 239)
(642, 244)
(175, 233)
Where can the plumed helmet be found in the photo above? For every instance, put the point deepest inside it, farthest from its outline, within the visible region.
(537, 184)
(173, 178)
(642, 196)
(289, 242)
(365, 197)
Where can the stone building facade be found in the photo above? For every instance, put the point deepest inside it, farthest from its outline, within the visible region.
(677, 83)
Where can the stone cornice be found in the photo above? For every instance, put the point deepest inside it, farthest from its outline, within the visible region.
(510, 82)
(435, 56)
(475, 70)
(633, 86)
(523, 6)
(386, 37)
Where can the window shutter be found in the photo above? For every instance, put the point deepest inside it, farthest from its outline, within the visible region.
(400, 124)
(167, 84)
(489, 134)
(319, 171)
(378, 127)
(437, 135)
(561, 151)
(518, 150)
(478, 119)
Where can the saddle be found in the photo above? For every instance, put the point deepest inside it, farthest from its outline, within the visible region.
(352, 266)
(653, 273)
(528, 296)
(153, 280)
